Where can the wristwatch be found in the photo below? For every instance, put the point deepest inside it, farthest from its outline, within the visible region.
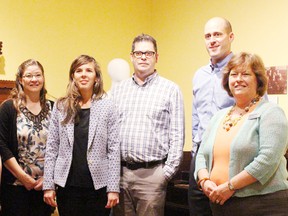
(231, 187)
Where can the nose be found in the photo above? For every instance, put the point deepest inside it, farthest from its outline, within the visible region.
(212, 40)
(83, 74)
(143, 56)
(239, 77)
(34, 78)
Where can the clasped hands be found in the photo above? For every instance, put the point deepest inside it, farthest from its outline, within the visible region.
(29, 183)
(218, 194)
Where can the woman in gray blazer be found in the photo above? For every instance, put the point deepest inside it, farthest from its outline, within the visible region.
(82, 162)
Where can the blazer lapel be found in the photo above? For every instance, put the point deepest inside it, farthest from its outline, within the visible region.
(93, 121)
(70, 132)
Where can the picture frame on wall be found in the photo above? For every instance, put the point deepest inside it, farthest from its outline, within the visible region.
(277, 79)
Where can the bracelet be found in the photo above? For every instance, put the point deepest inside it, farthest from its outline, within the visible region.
(200, 181)
(231, 187)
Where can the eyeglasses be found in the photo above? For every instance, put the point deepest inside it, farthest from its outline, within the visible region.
(30, 76)
(139, 54)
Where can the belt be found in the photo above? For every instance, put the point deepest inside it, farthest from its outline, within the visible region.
(138, 165)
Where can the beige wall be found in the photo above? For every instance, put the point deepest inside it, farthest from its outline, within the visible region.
(259, 26)
(55, 32)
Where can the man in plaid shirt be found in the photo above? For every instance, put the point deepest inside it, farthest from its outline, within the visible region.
(151, 132)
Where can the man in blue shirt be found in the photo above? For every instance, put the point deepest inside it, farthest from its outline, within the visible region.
(209, 97)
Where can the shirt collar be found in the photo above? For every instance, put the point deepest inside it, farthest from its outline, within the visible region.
(147, 80)
(222, 63)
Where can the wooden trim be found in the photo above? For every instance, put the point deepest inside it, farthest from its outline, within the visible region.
(5, 87)
(7, 84)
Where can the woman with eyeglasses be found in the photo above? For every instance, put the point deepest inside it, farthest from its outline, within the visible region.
(82, 163)
(23, 133)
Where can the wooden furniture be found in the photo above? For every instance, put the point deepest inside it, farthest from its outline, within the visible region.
(5, 87)
(177, 189)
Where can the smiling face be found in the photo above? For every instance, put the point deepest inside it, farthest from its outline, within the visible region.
(32, 79)
(85, 77)
(144, 65)
(218, 39)
(243, 83)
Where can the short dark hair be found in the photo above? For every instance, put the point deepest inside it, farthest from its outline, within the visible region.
(144, 37)
(242, 61)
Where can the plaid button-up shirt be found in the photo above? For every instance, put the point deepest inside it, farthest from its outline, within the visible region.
(152, 121)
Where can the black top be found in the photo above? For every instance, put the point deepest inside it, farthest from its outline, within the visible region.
(79, 174)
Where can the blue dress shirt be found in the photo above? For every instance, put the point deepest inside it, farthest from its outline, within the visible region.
(209, 97)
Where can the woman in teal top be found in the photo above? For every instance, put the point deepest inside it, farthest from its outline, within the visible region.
(257, 175)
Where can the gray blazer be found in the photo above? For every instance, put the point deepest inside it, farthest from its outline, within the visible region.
(103, 151)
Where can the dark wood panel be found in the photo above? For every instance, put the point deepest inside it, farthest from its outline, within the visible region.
(177, 190)
(5, 87)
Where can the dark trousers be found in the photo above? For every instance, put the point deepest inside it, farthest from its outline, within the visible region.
(17, 201)
(75, 201)
(198, 202)
(273, 204)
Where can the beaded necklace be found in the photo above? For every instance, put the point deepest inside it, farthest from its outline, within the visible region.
(229, 122)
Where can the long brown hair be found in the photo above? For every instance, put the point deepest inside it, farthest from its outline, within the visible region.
(17, 94)
(70, 102)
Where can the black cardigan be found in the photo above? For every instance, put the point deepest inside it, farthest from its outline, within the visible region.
(8, 137)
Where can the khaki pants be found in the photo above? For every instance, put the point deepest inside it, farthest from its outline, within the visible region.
(143, 192)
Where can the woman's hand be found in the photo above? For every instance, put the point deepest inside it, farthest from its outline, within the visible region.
(208, 186)
(221, 194)
(113, 199)
(39, 184)
(50, 197)
(13, 166)
(28, 182)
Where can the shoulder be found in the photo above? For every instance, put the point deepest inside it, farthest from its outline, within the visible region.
(124, 83)
(121, 86)
(266, 107)
(103, 106)
(221, 113)
(202, 71)
(51, 103)
(269, 114)
(168, 83)
(8, 105)
(8, 113)
(104, 101)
